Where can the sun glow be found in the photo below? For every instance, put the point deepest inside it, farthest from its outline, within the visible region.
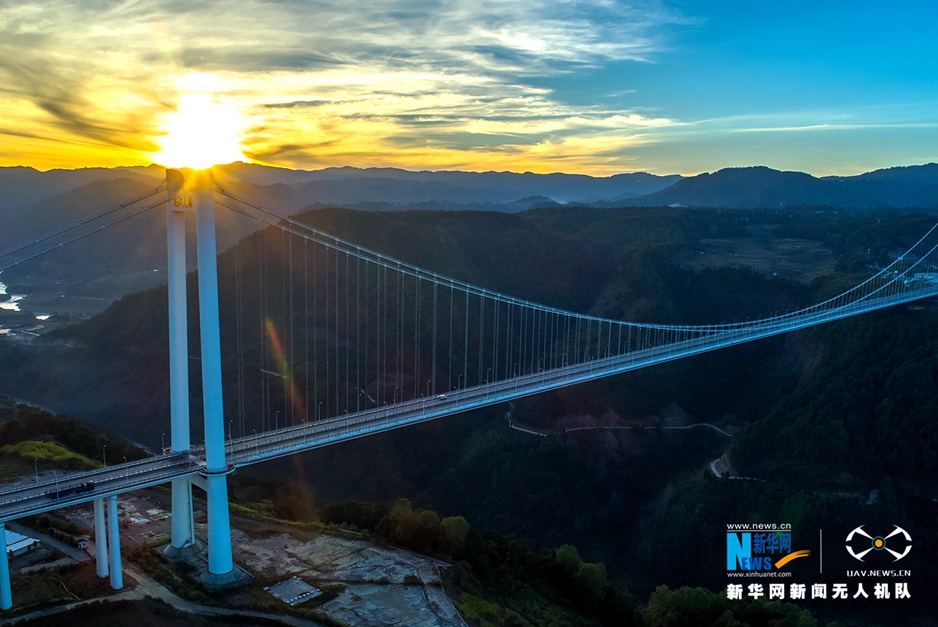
(200, 134)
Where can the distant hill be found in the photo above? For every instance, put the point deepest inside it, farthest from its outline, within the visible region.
(22, 187)
(83, 277)
(910, 186)
(762, 187)
(128, 258)
(404, 186)
(34, 202)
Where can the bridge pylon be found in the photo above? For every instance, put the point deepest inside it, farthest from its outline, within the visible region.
(221, 572)
(178, 204)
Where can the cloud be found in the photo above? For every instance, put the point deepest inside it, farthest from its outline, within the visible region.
(324, 81)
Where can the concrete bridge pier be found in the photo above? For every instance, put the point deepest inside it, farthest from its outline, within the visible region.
(183, 543)
(221, 572)
(114, 540)
(6, 596)
(100, 538)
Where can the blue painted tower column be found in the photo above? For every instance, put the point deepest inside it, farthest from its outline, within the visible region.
(183, 539)
(6, 596)
(100, 538)
(220, 565)
(114, 542)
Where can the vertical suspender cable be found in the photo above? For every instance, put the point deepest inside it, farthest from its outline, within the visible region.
(306, 325)
(465, 350)
(522, 366)
(358, 328)
(316, 410)
(327, 310)
(262, 272)
(367, 336)
(508, 339)
(481, 337)
(416, 348)
(399, 338)
(292, 354)
(378, 326)
(281, 367)
(336, 286)
(449, 359)
(495, 340)
(348, 336)
(239, 322)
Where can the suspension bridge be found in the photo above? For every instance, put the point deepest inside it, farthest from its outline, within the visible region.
(326, 341)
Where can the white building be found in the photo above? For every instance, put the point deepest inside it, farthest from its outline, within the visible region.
(18, 544)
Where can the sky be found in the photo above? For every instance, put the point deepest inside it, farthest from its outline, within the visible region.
(595, 87)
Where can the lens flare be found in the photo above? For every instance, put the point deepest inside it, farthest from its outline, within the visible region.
(283, 367)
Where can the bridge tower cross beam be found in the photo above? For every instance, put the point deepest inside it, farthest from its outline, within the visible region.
(220, 565)
(183, 540)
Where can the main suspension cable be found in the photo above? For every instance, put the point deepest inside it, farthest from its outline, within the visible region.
(16, 249)
(82, 236)
(887, 274)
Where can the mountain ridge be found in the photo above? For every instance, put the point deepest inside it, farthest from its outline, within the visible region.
(763, 187)
(914, 186)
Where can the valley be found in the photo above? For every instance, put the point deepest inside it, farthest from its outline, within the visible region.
(636, 499)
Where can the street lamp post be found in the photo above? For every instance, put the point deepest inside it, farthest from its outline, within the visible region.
(37, 472)
(104, 453)
(56, 475)
(256, 443)
(163, 443)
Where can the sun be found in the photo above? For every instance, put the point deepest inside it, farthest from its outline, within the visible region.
(201, 133)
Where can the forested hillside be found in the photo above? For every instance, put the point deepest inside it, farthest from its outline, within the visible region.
(820, 418)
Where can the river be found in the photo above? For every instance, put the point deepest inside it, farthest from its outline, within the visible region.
(11, 302)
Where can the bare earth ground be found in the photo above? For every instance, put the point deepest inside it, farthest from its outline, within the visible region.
(373, 577)
(788, 258)
(369, 579)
